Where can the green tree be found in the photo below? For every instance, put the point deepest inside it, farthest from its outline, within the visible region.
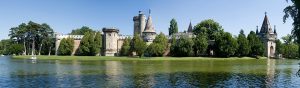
(243, 48)
(125, 47)
(201, 44)
(183, 47)
(158, 47)
(66, 46)
(209, 27)
(31, 33)
(279, 47)
(226, 45)
(173, 27)
(84, 47)
(16, 49)
(138, 45)
(293, 11)
(81, 31)
(290, 51)
(97, 45)
(256, 45)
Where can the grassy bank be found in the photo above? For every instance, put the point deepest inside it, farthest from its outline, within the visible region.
(126, 58)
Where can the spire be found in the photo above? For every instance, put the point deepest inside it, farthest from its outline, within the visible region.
(275, 29)
(149, 26)
(190, 29)
(266, 27)
(256, 29)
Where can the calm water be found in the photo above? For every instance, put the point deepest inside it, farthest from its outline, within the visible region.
(162, 74)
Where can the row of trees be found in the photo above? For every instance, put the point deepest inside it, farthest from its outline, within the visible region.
(31, 36)
(209, 36)
(90, 44)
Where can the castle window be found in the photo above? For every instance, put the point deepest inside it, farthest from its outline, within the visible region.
(109, 34)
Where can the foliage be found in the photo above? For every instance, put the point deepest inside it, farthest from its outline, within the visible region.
(173, 27)
(86, 47)
(16, 49)
(256, 45)
(226, 45)
(138, 45)
(4, 46)
(30, 33)
(158, 47)
(279, 47)
(97, 45)
(66, 46)
(243, 48)
(81, 31)
(183, 47)
(209, 27)
(125, 47)
(293, 11)
(200, 44)
(290, 51)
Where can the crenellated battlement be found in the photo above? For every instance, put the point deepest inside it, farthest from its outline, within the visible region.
(121, 37)
(75, 37)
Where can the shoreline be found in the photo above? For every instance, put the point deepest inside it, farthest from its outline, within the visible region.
(114, 58)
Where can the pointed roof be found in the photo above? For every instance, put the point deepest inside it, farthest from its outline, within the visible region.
(266, 27)
(190, 29)
(149, 26)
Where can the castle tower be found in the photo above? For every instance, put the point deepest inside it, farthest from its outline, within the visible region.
(139, 23)
(190, 29)
(268, 36)
(149, 33)
(110, 41)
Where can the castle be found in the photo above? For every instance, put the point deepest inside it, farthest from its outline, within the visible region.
(113, 41)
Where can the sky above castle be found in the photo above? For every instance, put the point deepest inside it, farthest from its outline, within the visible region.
(65, 15)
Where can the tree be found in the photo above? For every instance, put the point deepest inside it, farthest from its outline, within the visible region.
(256, 45)
(226, 45)
(81, 31)
(290, 51)
(84, 47)
(158, 47)
(209, 27)
(183, 47)
(66, 46)
(31, 33)
(16, 49)
(97, 45)
(138, 45)
(293, 11)
(173, 27)
(279, 47)
(243, 48)
(125, 47)
(201, 44)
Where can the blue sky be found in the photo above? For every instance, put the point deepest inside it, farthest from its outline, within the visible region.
(65, 15)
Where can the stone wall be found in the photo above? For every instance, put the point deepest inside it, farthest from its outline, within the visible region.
(59, 37)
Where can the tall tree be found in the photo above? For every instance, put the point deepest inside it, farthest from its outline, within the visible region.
(81, 31)
(158, 47)
(138, 45)
(279, 47)
(293, 11)
(210, 27)
(256, 45)
(125, 47)
(84, 47)
(173, 27)
(97, 44)
(183, 47)
(226, 45)
(243, 48)
(201, 44)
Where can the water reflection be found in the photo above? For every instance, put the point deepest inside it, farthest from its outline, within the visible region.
(111, 74)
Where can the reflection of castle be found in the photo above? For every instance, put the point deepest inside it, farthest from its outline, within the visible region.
(112, 40)
(268, 36)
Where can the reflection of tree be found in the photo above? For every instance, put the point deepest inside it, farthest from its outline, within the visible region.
(298, 72)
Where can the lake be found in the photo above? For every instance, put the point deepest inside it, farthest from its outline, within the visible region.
(158, 74)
